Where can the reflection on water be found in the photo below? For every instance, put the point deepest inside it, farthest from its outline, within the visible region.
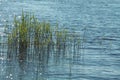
(39, 63)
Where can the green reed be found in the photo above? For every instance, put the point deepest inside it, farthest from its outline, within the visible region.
(36, 41)
(30, 32)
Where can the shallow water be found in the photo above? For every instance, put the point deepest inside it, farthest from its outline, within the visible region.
(97, 22)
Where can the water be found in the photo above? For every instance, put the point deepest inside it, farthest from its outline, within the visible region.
(97, 22)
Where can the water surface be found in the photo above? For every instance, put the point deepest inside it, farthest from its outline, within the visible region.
(97, 22)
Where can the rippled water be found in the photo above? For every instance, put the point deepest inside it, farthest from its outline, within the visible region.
(97, 21)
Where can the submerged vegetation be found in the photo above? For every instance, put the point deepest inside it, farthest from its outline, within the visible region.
(32, 40)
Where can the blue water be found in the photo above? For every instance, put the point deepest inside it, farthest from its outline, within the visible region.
(97, 22)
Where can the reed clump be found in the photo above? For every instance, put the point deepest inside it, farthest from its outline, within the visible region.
(32, 40)
(29, 33)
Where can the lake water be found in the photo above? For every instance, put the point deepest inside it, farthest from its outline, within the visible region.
(97, 22)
